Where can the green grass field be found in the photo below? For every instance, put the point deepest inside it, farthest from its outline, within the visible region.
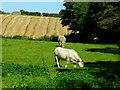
(30, 64)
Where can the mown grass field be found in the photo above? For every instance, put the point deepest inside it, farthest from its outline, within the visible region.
(33, 27)
(30, 64)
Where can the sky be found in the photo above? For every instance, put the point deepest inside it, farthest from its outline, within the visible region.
(47, 7)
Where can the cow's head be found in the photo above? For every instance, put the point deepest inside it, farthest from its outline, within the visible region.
(81, 63)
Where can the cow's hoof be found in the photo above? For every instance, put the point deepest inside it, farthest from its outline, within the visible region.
(75, 66)
(65, 66)
(57, 66)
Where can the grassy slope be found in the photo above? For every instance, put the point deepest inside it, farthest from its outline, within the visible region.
(41, 53)
(32, 26)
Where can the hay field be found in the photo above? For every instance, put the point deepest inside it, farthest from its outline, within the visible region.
(31, 26)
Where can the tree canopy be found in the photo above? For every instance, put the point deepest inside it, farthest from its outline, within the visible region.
(92, 17)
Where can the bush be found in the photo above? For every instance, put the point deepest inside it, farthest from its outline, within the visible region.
(29, 70)
(86, 79)
(46, 38)
(29, 76)
(31, 82)
(18, 37)
(21, 37)
(74, 79)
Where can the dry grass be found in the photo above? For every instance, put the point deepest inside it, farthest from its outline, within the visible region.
(9, 27)
(51, 27)
(37, 29)
(31, 26)
(5, 24)
(23, 26)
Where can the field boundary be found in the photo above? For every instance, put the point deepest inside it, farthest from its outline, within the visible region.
(29, 27)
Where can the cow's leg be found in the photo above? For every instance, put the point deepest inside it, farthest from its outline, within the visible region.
(57, 61)
(74, 64)
(66, 62)
(62, 44)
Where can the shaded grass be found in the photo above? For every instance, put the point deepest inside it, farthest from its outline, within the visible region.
(24, 76)
(88, 78)
(105, 50)
(44, 38)
(93, 76)
(30, 64)
(28, 70)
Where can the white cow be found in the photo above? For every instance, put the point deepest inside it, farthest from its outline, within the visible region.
(68, 55)
(61, 40)
(95, 39)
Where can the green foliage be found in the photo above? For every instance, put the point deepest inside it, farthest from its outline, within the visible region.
(80, 11)
(28, 75)
(44, 38)
(30, 64)
(77, 12)
(18, 37)
(28, 84)
(2, 12)
(88, 78)
(98, 18)
(47, 38)
(75, 79)
(29, 70)
(109, 17)
(23, 12)
(51, 14)
(105, 15)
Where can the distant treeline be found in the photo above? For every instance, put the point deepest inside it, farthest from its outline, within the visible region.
(30, 13)
(52, 14)
(23, 12)
(40, 14)
(2, 12)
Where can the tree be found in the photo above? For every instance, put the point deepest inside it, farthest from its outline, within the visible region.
(74, 15)
(109, 17)
(107, 20)
(22, 12)
(92, 17)
(2, 12)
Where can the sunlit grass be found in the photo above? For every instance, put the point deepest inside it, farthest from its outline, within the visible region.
(32, 54)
